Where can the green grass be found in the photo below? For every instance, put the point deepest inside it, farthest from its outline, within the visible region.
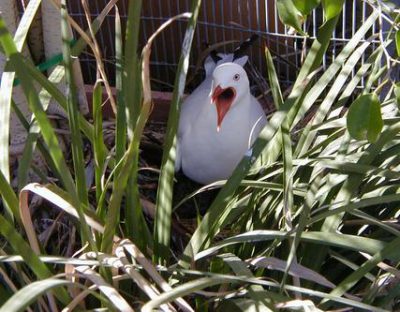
(309, 220)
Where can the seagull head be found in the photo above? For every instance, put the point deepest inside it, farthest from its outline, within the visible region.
(230, 85)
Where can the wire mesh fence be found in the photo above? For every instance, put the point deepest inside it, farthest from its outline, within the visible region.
(219, 21)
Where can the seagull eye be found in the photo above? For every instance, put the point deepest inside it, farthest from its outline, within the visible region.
(236, 77)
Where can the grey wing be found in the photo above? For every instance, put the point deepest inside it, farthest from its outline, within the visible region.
(192, 105)
(190, 110)
(178, 158)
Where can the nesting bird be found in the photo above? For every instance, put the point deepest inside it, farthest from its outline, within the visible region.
(219, 120)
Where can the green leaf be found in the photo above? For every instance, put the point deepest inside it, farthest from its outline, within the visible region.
(398, 42)
(350, 242)
(8, 196)
(305, 7)
(130, 110)
(181, 291)
(332, 8)
(98, 143)
(390, 251)
(397, 93)
(30, 293)
(72, 109)
(290, 15)
(162, 221)
(364, 119)
(21, 247)
(6, 90)
(273, 80)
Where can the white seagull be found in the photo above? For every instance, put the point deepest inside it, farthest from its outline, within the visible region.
(219, 122)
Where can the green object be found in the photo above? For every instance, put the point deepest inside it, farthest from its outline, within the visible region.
(364, 119)
(163, 218)
(398, 42)
(397, 94)
(30, 293)
(290, 15)
(332, 8)
(305, 7)
(51, 62)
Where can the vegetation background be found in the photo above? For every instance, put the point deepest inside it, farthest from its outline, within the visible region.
(310, 219)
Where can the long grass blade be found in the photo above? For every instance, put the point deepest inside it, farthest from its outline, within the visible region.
(20, 247)
(131, 98)
(351, 242)
(9, 197)
(98, 146)
(24, 297)
(390, 251)
(33, 130)
(162, 227)
(6, 90)
(121, 126)
(72, 101)
(273, 80)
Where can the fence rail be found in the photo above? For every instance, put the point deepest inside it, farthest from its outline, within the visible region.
(220, 20)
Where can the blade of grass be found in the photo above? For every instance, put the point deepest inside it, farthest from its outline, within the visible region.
(268, 284)
(98, 146)
(131, 99)
(128, 163)
(22, 248)
(181, 291)
(92, 42)
(121, 126)
(162, 227)
(351, 242)
(106, 289)
(6, 90)
(72, 101)
(273, 80)
(131, 83)
(240, 268)
(287, 155)
(9, 198)
(119, 186)
(25, 296)
(288, 209)
(33, 130)
(390, 251)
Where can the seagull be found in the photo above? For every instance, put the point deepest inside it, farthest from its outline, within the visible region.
(219, 122)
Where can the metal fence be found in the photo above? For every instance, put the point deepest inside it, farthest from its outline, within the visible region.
(221, 20)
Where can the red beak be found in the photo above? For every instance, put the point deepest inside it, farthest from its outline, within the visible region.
(223, 99)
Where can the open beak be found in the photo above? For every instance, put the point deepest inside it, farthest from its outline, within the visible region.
(223, 99)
